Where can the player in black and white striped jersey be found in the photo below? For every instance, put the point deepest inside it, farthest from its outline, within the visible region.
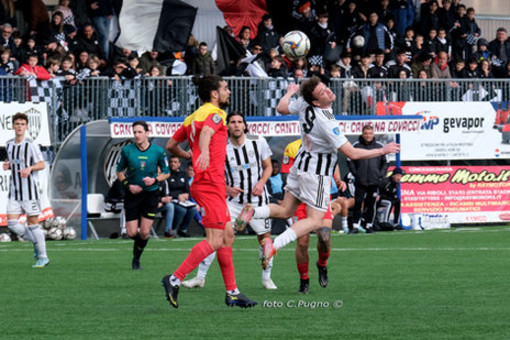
(24, 159)
(247, 169)
(309, 180)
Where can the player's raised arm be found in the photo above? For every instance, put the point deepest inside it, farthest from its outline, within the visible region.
(283, 104)
(355, 153)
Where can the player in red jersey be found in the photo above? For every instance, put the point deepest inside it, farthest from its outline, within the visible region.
(206, 132)
(323, 233)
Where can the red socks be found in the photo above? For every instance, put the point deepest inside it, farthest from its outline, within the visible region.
(323, 259)
(197, 254)
(227, 267)
(303, 270)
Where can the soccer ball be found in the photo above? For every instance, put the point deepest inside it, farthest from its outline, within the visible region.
(69, 233)
(50, 223)
(55, 234)
(296, 44)
(61, 222)
(4, 237)
(358, 41)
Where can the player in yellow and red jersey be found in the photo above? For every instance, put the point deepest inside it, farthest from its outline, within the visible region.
(323, 233)
(206, 132)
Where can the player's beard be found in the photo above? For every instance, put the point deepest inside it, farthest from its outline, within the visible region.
(224, 104)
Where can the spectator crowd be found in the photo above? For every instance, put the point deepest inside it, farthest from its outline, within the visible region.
(349, 39)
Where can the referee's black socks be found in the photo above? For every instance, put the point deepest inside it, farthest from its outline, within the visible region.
(139, 246)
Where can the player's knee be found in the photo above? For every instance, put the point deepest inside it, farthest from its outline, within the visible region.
(324, 235)
(15, 227)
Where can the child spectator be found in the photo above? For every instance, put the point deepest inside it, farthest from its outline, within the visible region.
(53, 66)
(17, 49)
(32, 49)
(5, 61)
(31, 69)
(134, 63)
(278, 68)
(93, 66)
(472, 31)
(442, 43)
(482, 52)
(63, 7)
(203, 64)
(82, 62)
(67, 71)
(431, 43)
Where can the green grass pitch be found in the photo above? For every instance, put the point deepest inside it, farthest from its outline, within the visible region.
(444, 284)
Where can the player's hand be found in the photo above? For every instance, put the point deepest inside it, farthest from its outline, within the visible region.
(391, 148)
(148, 181)
(258, 189)
(202, 161)
(6, 165)
(292, 88)
(25, 172)
(234, 191)
(135, 189)
(342, 186)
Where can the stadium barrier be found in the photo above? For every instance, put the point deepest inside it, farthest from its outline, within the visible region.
(101, 97)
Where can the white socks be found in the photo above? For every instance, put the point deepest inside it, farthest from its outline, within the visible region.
(344, 222)
(203, 267)
(39, 240)
(266, 273)
(284, 238)
(31, 233)
(262, 212)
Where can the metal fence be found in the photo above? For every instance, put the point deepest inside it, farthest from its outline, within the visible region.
(100, 98)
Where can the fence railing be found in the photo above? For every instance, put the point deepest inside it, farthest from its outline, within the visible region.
(101, 98)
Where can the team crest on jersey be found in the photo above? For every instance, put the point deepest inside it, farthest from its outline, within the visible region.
(34, 122)
(216, 118)
(336, 131)
(142, 165)
(286, 159)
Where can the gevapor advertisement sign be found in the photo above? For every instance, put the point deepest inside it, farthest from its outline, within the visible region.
(453, 131)
(457, 194)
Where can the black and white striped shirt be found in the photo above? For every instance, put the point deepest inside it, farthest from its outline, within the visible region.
(20, 156)
(321, 137)
(243, 168)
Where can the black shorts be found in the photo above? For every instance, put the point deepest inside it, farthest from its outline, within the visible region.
(143, 204)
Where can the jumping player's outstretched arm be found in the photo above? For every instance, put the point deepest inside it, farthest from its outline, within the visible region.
(355, 153)
(283, 104)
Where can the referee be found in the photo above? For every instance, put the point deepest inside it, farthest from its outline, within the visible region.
(137, 170)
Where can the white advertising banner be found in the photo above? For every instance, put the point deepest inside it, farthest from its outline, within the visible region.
(451, 131)
(274, 126)
(38, 125)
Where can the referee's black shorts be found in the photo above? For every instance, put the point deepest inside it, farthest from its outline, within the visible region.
(144, 204)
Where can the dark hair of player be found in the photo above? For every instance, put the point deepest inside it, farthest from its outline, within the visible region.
(237, 113)
(20, 115)
(207, 84)
(142, 124)
(307, 88)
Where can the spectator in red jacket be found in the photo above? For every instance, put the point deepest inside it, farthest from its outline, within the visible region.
(31, 69)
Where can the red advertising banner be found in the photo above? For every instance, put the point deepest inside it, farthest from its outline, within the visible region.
(470, 194)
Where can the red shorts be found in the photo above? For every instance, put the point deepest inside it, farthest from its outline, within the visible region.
(301, 212)
(213, 204)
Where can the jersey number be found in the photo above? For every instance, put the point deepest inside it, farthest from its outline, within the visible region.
(309, 118)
